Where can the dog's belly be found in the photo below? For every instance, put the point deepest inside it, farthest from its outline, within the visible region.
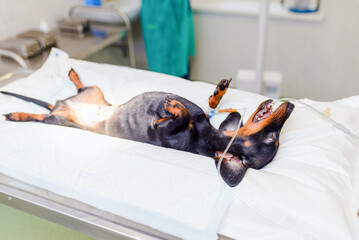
(91, 117)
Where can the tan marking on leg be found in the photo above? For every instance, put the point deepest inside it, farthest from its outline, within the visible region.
(75, 79)
(161, 120)
(175, 107)
(22, 117)
(229, 110)
(221, 89)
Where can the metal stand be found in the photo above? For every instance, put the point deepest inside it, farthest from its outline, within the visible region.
(261, 44)
(118, 12)
(16, 57)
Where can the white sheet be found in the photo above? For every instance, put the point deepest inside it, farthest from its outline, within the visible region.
(175, 192)
(309, 191)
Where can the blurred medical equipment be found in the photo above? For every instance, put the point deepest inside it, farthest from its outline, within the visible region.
(272, 81)
(110, 15)
(29, 49)
(26, 48)
(302, 6)
(44, 39)
(74, 25)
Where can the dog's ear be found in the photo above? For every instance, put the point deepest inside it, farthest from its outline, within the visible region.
(232, 176)
(231, 122)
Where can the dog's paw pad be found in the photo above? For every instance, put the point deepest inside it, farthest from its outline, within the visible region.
(175, 107)
(12, 117)
(224, 83)
(171, 104)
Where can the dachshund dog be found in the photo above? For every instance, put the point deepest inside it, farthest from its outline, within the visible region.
(171, 121)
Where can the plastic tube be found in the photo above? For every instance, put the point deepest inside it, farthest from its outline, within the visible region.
(229, 145)
(334, 123)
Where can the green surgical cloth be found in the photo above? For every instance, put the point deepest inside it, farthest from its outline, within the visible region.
(168, 32)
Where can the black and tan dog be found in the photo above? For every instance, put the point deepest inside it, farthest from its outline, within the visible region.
(168, 120)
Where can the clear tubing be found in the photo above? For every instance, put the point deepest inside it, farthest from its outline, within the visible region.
(334, 123)
(229, 145)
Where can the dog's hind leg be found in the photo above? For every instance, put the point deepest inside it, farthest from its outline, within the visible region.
(76, 80)
(24, 117)
(44, 118)
(218, 93)
(179, 120)
(91, 95)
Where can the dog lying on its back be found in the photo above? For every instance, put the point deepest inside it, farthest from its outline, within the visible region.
(168, 120)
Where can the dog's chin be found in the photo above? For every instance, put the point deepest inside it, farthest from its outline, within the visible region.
(232, 170)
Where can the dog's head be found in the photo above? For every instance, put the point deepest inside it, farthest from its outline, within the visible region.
(256, 143)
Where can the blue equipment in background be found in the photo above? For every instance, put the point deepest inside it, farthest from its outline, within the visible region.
(302, 6)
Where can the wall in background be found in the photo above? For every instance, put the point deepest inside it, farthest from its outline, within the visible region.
(318, 60)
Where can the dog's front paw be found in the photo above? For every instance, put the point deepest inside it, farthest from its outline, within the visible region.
(224, 84)
(218, 93)
(175, 107)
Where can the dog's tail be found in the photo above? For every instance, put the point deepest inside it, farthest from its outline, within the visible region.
(28, 99)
